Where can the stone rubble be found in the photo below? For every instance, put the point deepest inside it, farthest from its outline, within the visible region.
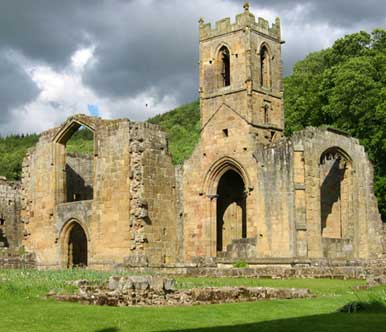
(158, 291)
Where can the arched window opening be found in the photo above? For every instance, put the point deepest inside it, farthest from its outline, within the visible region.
(231, 209)
(265, 68)
(334, 194)
(225, 79)
(75, 164)
(76, 247)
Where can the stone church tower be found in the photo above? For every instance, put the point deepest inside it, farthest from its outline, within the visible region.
(241, 69)
(241, 102)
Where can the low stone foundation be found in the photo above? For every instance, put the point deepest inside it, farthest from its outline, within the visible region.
(148, 291)
(275, 269)
(10, 260)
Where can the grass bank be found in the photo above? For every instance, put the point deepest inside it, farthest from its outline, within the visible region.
(24, 308)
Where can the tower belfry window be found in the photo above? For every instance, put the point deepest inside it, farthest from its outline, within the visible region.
(265, 67)
(225, 67)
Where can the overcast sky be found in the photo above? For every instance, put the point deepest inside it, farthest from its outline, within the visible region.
(113, 57)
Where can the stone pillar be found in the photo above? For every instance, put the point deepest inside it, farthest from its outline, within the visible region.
(300, 202)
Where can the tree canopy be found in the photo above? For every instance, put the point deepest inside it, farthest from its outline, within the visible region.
(345, 87)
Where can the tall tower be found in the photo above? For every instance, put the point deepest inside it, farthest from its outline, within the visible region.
(241, 69)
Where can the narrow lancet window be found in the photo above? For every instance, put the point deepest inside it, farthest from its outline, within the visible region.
(225, 67)
(265, 65)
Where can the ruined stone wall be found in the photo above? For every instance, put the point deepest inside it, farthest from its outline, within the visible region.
(11, 230)
(275, 217)
(180, 212)
(215, 154)
(132, 213)
(285, 213)
(360, 222)
(159, 196)
(39, 200)
(384, 238)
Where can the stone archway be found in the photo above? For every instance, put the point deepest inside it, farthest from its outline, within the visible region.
(335, 171)
(217, 183)
(337, 223)
(74, 246)
(231, 223)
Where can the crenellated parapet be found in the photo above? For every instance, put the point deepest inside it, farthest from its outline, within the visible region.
(246, 20)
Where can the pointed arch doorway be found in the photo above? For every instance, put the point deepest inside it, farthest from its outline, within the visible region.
(231, 216)
(74, 246)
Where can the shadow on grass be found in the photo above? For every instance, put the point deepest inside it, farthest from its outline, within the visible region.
(109, 329)
(373, 306)
(336, 322)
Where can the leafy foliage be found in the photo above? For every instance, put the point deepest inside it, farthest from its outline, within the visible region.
(240, 264)
(81, 142)
(12, 151)
(345, 87)
(182, 127)
(14, 148)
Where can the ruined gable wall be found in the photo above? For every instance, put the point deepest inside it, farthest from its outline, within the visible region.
(362, 205)
(133, 209)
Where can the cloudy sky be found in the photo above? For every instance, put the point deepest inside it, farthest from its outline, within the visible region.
(113, 57)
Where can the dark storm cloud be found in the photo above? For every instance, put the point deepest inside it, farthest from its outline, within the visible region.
(16, 88)
(152, 45)
(340, 13)
(155, 49)
(159, 48)
(45, 30)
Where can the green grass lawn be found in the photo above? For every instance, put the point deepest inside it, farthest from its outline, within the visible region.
(24, 308)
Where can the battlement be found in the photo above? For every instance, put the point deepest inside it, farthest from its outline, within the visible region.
(244, 20)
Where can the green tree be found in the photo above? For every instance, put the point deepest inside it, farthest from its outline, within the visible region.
(345, 87)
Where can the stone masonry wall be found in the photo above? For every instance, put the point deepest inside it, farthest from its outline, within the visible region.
(260, 106)
(131, 217)
(276, 216)
(361, 210)
(154, 212)
(384, 238)
(11, 230)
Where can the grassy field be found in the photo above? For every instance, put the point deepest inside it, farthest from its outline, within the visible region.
(24, 308)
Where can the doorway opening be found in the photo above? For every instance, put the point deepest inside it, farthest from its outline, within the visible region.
(76, 246)
(231, 209)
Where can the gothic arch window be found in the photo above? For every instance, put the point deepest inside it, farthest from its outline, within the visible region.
(225, 67)
(265, 67)
(335, 171)
(74, 164)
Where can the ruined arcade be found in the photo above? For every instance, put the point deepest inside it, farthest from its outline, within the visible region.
(247, 192)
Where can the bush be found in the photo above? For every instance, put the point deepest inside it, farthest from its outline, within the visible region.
(240, 264)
